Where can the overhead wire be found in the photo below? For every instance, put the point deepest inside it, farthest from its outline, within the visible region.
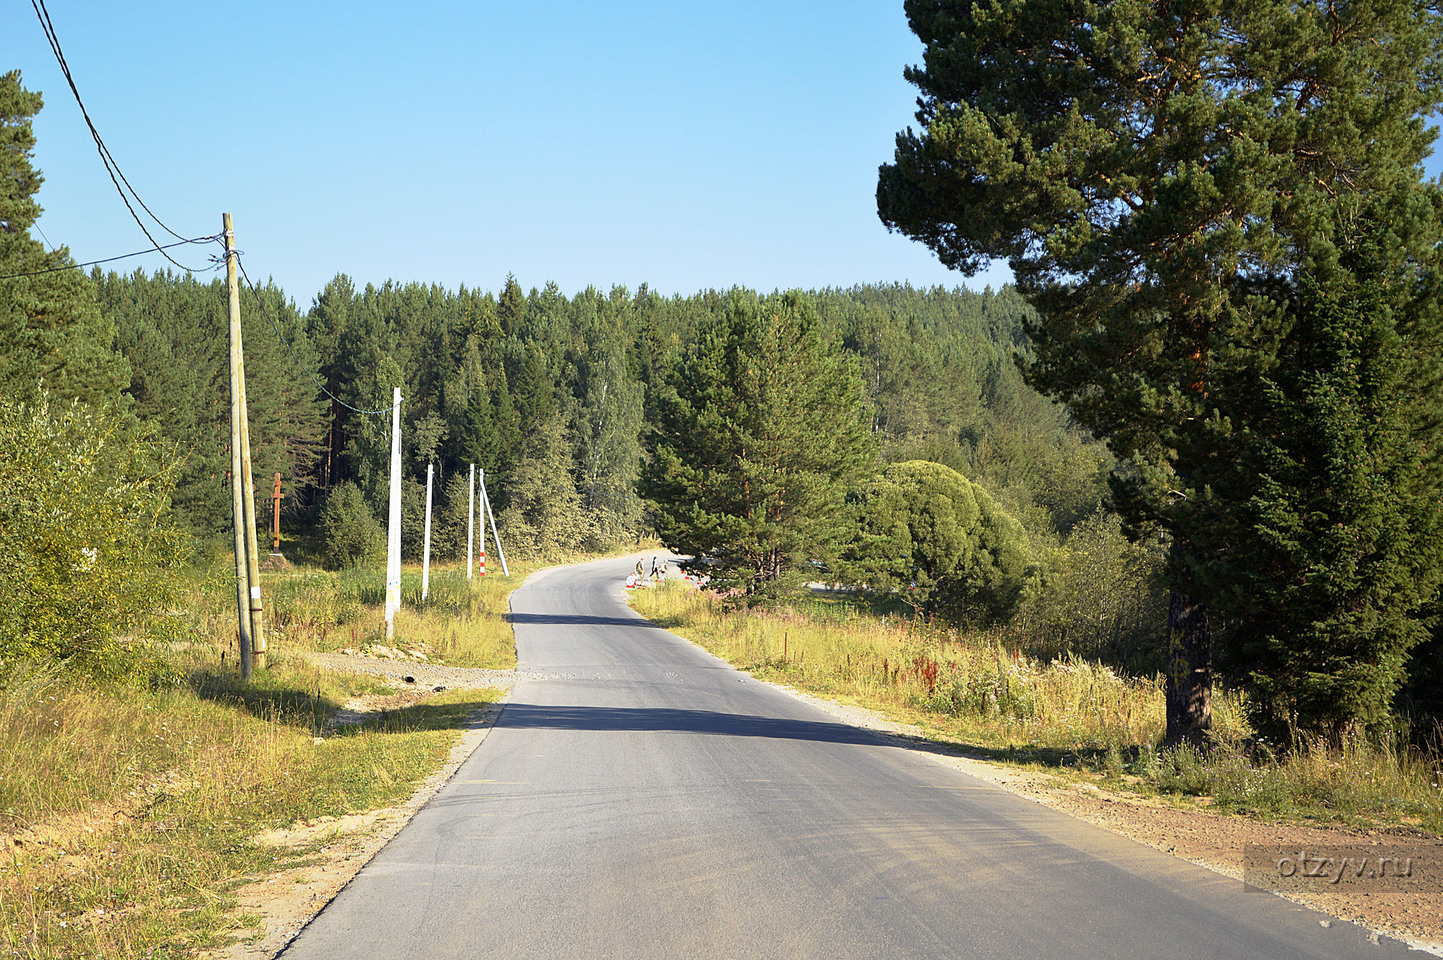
(111, 167)
(117, 178)
(123, 256)
(286, 343)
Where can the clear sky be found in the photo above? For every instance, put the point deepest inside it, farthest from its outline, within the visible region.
(682, 144)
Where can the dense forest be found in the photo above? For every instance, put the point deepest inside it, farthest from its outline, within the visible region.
(553, 397)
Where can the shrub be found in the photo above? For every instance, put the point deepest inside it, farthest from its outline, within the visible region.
(351, 535)
(90, 560)
(1102, 597)
(933, 538)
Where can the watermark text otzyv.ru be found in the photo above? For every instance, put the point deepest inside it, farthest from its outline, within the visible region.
(1361, 868)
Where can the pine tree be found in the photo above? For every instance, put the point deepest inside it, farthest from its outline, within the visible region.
(53, 338)
(1159, 177)
(759, 437)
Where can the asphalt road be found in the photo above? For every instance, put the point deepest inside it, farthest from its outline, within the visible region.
(645, 800)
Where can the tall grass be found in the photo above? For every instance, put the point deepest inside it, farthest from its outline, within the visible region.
(971, 687)
(461, 622)
(128, 813)
(1068, 712)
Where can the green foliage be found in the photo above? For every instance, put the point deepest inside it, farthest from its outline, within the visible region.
(758, 439)
(938, 541)
(545, 517)
(1101, 596)
(1340, 518)
(1160, 180)
(413, 519)
(52, 338)
(448, 522)
(174, 332)
(351, 534)
(939, 364)
(90, 560)
(608, 419)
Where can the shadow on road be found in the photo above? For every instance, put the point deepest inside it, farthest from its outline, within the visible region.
(553, 619)
(666, 719)
(533, 716)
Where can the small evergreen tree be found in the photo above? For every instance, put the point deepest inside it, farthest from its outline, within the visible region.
(351, 535)
(760, 435)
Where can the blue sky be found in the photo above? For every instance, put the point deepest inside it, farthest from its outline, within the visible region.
(684, 145)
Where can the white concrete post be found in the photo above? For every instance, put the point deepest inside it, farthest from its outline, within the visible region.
(470, 518)
(426, 548)
(393, 536)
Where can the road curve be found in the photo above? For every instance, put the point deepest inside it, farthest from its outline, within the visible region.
(645, 800)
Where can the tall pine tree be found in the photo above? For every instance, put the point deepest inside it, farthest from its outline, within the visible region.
(1159, 177)
(53, 338)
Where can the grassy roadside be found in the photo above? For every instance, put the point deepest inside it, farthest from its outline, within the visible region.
(1072, 717)
(460, 623)
(127, 814)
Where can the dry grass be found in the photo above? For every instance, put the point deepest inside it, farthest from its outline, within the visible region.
(461, 623)
(127, 815)
(1075, 715)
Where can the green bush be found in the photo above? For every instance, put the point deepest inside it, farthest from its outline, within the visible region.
(351, 536)
(91, 561)
(1101, 597)
(930, 536)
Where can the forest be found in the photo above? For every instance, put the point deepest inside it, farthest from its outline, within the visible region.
(554, 398)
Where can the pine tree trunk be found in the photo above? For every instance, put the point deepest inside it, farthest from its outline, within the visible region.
(1189, 685)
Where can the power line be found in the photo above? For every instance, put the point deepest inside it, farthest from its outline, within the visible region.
(286, 343)
(111, 167)
(123, 256)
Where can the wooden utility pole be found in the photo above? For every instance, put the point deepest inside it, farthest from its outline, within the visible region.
(276, 517)
(243, 494)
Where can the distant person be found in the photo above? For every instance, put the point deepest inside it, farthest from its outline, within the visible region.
(655, 570)
(639, 569)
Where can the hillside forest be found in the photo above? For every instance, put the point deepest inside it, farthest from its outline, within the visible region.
(878, 437)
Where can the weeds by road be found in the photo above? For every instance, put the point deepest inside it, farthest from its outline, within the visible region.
(129, 815)
(1069, 716)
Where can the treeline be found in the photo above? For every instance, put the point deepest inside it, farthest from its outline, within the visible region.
(552, 396)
